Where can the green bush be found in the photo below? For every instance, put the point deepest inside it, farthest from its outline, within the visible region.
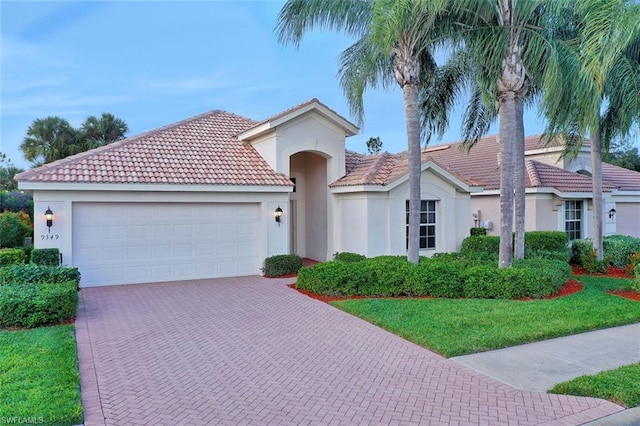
(11, 256)
(480, 244)
(635, 283)
(620, 247)
(478, 231)
(282, 264)
(591, 263)
(348, 257)
(446, 275)
(33, 305)
(546, 241)
(563, 256)
(46, 257)
(35, 274)
(14, 227)
(580, 248)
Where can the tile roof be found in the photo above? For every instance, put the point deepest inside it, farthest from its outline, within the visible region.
(202, 150)
(479, 167)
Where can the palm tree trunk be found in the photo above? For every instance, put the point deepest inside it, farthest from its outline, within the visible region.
(596, 178)
(412, 116)
(507, 114)
(520, 185)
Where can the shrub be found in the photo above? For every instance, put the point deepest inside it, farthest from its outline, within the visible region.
(436, 277)
(33, 305)
(388, 275)
(46, 257)
(635, 283)
(348, 257)
(591, 263)
(11, 256)
(620, 248)
(562, 256)
(14, 227)
(478, 231)
(546, 241)
(282, 264)
(335, 278)
(35, 274)
(480, 244)
(580, 248)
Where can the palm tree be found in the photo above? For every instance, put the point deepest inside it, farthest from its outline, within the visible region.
(101, 131)
(394, 40)
(49, 139)
(606, 103)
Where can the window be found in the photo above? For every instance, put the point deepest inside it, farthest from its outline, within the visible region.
(573, 219)
(427, 224)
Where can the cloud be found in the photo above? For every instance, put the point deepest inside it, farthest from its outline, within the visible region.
(15, 85)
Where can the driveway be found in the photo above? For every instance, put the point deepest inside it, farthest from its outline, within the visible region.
(251, 350)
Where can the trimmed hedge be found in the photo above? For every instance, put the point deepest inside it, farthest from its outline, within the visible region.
(478, 231)
(46, 256)
(620, 247)
(33, 305)
(281, 264)
(480, 244)
(12, 256)
(348, 257)
(546, 241)
(446, 276)
(35, 274)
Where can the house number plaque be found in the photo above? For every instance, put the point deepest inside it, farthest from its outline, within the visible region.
(49, 236)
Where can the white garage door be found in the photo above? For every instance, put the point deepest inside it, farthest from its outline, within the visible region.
(121, 243)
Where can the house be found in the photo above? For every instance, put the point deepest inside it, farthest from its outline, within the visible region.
(558, 188)
(215, 194)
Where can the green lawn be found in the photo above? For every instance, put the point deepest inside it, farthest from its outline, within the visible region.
(461, 326)
(621, 386)
(39, 380)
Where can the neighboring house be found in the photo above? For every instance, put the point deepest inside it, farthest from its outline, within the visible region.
(559, 189)
(199, 198)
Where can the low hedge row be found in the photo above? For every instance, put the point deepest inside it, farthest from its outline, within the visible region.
(546, 244)
(33, 305)
(447, 276)
(11, 256)
(46, 256)
(37, 274)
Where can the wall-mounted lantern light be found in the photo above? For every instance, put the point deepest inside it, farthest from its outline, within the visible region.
(278, 214)
(612, 213)
(48, 215)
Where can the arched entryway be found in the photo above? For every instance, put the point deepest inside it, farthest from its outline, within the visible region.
(308, 205)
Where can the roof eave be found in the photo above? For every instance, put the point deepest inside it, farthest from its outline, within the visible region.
(150, 187)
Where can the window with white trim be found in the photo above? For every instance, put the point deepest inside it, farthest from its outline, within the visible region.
(573, 219)
(427, 224)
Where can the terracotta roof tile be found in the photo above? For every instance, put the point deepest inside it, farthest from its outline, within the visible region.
(624, 179)
(201, 150)
(546, 176)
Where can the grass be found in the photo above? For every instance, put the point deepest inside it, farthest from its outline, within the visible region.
(454, 327)
(621, 386)
(39, 380)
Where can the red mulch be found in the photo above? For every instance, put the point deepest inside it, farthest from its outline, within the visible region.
(627, 294)
(611, 272)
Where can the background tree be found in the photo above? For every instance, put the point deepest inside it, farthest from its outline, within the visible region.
(101, 131)
(49, 139)
(374, 145)
(7, 174)
(394, 42)
(623, 155)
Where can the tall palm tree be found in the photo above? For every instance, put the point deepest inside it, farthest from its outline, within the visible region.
(606, 103)
(49, 139)
(393, 42)
(101, 131)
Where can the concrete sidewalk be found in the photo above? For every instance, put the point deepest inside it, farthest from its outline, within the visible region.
(539, 366)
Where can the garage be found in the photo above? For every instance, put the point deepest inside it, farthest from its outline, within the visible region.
(125, 243)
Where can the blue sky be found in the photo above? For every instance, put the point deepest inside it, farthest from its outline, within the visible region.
(155, 63)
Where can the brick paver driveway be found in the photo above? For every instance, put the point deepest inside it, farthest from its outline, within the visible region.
(253, 351)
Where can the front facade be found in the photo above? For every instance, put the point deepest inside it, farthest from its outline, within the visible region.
(197, 199)
(216, 194)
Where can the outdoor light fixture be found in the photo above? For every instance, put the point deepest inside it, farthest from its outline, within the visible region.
(48, 215)
(278, 214)
(612, 213)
